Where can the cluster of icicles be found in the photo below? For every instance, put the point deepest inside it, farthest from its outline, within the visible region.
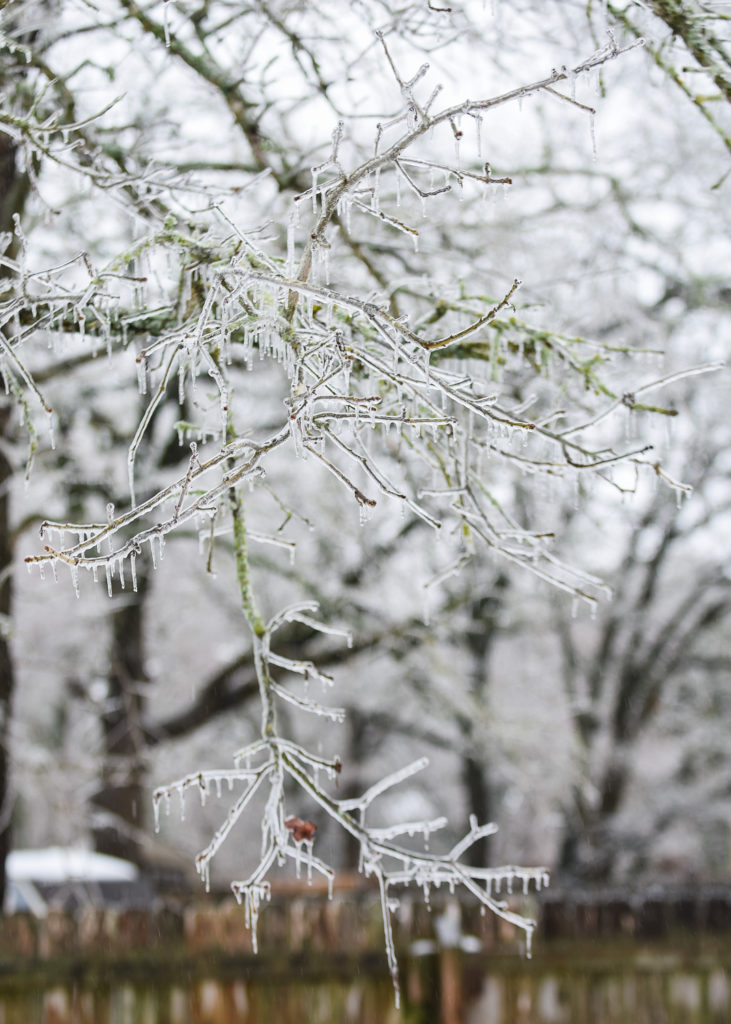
(111, 564)
(392, 865)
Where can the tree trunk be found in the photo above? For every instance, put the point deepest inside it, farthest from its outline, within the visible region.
(7, 673)
(479, 638)
(474, 780)
(13, 193)
(587, 852)
(119, 804)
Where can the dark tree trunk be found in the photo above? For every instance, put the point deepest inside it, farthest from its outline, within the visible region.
(352, 781)
(474, 780)
(588, 849)
(479, 638)
(120, 803)
(7, 674)
(14, 187)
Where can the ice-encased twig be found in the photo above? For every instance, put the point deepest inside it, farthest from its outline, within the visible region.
(475, 833)
(308, 669)
(204, 858)
(335, 714)
(382, 785)
(408, 828)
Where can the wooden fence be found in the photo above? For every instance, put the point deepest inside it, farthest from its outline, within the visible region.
(656, 958)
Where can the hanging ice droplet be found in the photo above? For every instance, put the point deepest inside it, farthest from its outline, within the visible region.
(166, 23)
(75, 578)
(314, 190)
(142, 375)
(365, 511)
(478, 130)
(291, 224)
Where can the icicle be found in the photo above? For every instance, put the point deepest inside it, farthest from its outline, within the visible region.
(133, 572)
(156, 811)
(165, 23)
(592, 129)
(325, 260)
(291, 224)
(121, 572)
(375, 198)
(109, 578)
(142, 374)
(313, 171)
(365, 511)
(75, 578)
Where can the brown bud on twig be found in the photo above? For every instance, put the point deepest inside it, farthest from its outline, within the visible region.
(300, 829)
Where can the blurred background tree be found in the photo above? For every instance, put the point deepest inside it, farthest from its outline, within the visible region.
(540, 721)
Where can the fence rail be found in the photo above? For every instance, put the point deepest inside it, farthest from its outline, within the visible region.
(649, 958)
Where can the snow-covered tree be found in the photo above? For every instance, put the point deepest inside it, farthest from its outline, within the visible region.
(269, 225)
